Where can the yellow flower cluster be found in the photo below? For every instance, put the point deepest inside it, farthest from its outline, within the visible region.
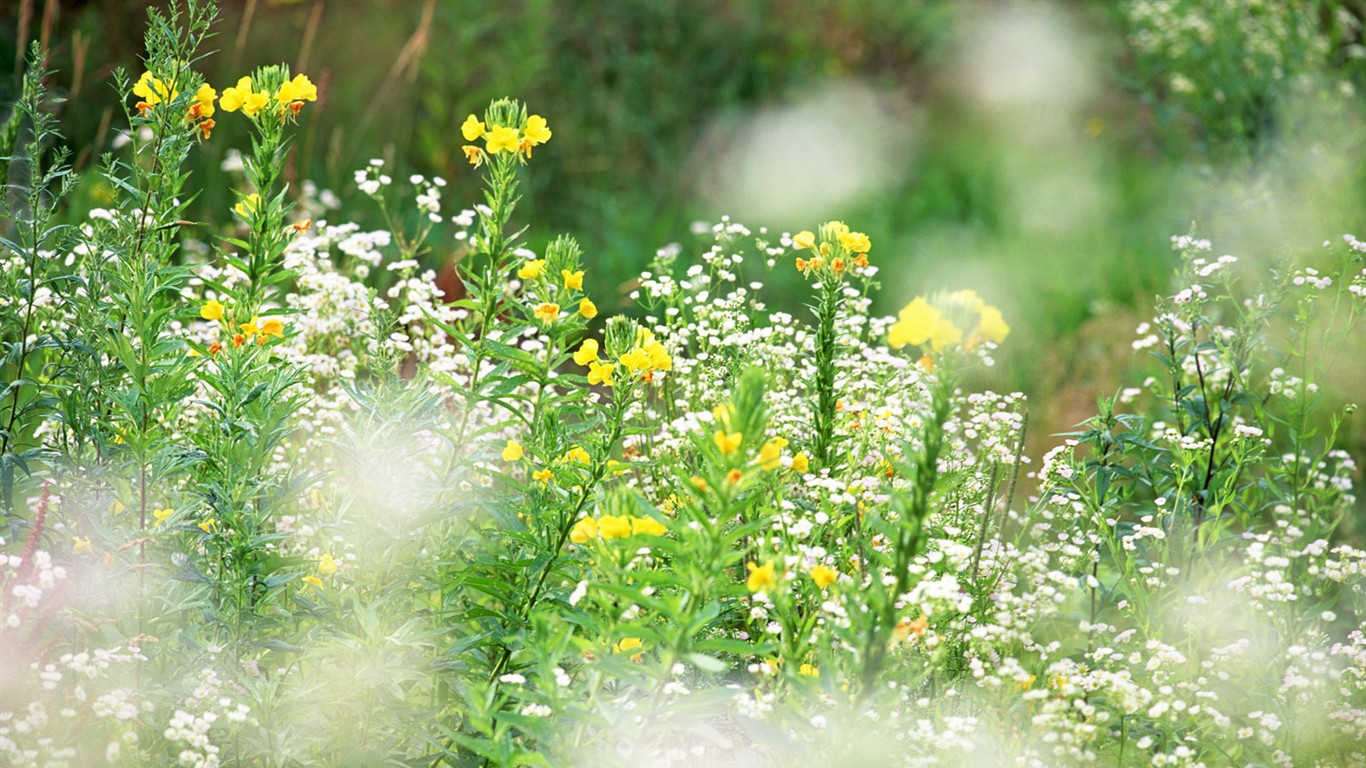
(646, 357)
(837, 249)
(258, 329)
(940, 324)
(289, 97)
(549, 312)
(503, 138)
(151, 91)
(609, 527)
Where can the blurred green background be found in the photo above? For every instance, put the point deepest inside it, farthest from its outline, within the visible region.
(1042, 153)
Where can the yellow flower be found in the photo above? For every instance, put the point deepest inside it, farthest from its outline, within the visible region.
(577, 453)
(501, 138)
(314, 580)
(473, 154)
(915, 324)
(151, 90)
(808, 670)
(800, 463)
(532, 269)
(272, 326)
(804, 240)
(327, 565)
(162, 515)
(537, 132)
(945, 334)
(212, 310)
(248, 205)
(584, 531)
(647, 526)
(82, 546)
(252, 328)
(236, 96)
(600, 373)
(543, 475)
(204, 99)
(824, 576)
(209, 526)
(855, 242)
(770, 455)
(548, 312)
(613, 527)
(992, 326)
(472, 128)
(588, 352)
(572, 280)
(116, 507)
(728, 442)
(761, 577)
(629, 644)
(298, 89)
(255, 102)
(587, 308)
(512, 451)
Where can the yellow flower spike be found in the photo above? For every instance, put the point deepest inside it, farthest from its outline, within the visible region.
(915, 324)
(537, 131)
(728, 442)
(588, 309)
(647, 526)
(600, 373)
(82, 546)
(512, 451)
(327, 565)
(824, 576)
(761, 577)
(235, 97)
(800, 463)
(542, 475)
(472, 128)
(584, 531)
(501, 139)
(572, 280)
(162, 515)
(588, 352)
(804, 240)
(770, 455)
(532, 269)
(548, 312)
(992, 326)
(612, 527)
(212, 310)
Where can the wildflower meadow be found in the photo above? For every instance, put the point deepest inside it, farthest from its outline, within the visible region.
(275, 492)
